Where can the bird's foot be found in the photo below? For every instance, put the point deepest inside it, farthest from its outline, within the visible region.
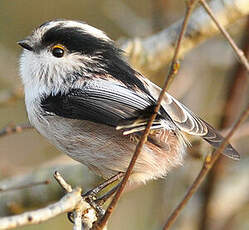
(96, 203)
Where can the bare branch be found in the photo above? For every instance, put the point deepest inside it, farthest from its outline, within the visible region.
(238, 52)
(207, 166)
(71, 170)
(43, 195)
(147, 61)
(154, 52)
(73, 201)
(143, 139)
(84, 213)
(68, 203)
(79, 210)
(234, 102)
(67, 187)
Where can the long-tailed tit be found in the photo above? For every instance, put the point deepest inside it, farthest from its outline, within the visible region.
(90, 103)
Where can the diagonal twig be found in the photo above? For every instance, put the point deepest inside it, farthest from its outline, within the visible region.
(152, 53)
(207, 166)
(78, 209)
(67, 187)
(172, 72)
(238, 52)
(235, 100)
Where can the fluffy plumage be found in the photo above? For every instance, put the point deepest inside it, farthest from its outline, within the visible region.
(93, 106)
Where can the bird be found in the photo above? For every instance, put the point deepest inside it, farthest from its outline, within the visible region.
(86, 99)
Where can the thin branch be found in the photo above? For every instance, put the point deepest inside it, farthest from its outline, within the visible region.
(207, 166)
(71, 202)
(239, 52)
(32, 184)
(79, 209)
(234, 102)
(172, 72)
(84, 214)
(238, 89)
(67, 187)
(152, 53)
(68, 203)
(10, 129)
(73, 172)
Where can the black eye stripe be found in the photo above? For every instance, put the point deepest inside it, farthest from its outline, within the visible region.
(75, 40)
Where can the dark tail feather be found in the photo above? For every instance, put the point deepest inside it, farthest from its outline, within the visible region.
(215, 139)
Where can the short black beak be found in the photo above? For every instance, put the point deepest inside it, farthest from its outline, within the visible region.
(26, 44)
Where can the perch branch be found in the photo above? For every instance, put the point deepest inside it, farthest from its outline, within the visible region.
(238, 52)
(172, 72)
(83, 213)
(71, 202)
(68, 203)
(207, 166)
(78, 211)
(71, 170)
(67, 187)
(43, 195)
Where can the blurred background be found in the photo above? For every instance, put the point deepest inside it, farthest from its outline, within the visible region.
(210, 83)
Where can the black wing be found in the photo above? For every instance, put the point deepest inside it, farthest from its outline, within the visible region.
(104, 102)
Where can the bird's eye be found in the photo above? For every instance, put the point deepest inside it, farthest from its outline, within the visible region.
(58, 51)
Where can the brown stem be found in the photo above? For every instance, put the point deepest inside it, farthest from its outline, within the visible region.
(207, 166)
(172, 72)
(237, 51)
(235, 99)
